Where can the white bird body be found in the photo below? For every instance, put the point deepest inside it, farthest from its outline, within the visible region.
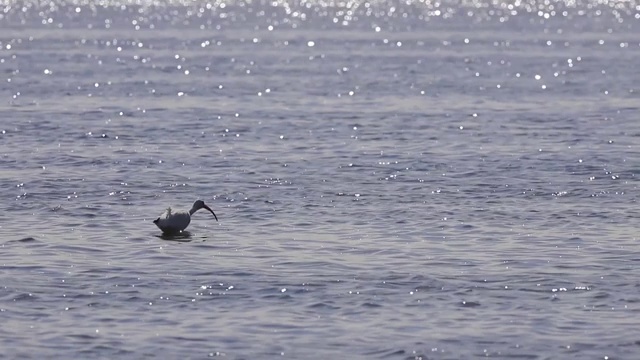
(175, 222)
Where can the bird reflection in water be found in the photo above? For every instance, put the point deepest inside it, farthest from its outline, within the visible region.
(182, 236)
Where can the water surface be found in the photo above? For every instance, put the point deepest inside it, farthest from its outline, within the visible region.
(393, 180)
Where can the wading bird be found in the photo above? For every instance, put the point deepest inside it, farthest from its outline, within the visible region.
(174, 222)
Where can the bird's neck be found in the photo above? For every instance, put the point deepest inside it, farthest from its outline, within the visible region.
(193, 209)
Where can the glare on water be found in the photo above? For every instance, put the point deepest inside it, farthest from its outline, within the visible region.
(393, 179)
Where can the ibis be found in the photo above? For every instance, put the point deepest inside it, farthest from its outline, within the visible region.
(171, 222)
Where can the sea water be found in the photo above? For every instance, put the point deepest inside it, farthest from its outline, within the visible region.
(393, 179)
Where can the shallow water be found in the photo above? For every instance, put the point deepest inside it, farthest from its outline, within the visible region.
(393, 180)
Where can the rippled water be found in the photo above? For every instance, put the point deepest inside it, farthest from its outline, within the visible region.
(394, 180)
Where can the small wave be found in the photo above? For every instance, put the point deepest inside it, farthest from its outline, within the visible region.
(25, 240)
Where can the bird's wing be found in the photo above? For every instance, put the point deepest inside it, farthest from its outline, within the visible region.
(166, 213)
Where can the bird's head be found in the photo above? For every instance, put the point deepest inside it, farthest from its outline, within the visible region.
(199, 204)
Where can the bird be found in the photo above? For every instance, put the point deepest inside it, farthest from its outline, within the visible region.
(175, 222)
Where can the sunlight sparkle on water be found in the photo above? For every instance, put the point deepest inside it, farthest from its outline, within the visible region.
(146, 14)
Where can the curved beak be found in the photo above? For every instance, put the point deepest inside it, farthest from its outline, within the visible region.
(214, 214)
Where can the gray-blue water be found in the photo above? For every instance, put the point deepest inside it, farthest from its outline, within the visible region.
(394, 180)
